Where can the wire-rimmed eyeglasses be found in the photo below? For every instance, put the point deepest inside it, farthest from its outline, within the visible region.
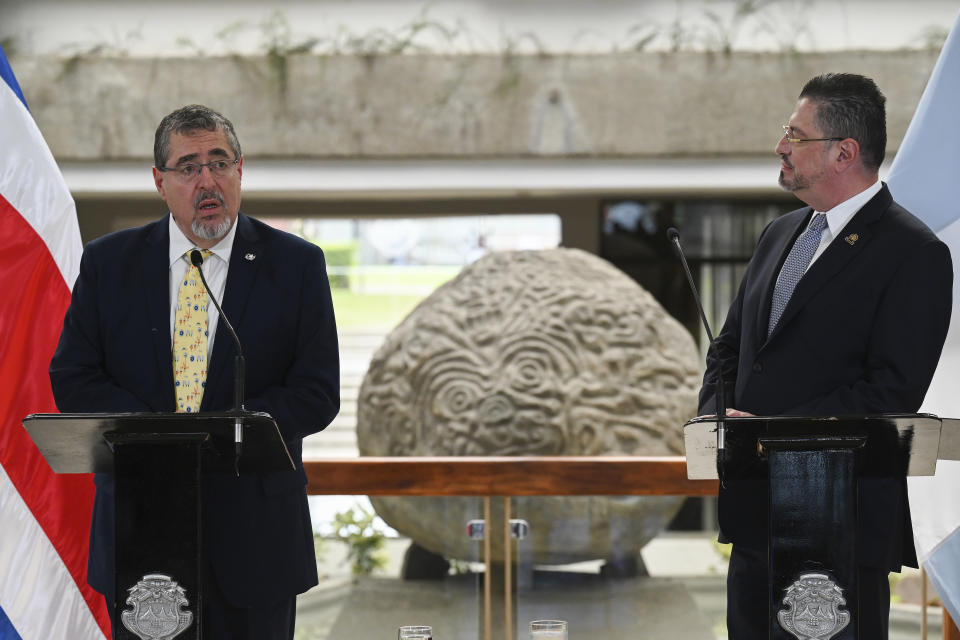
(788, 130)
(192, 170)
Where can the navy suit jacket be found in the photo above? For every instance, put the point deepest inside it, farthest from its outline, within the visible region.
(114, 355)
(862, 334)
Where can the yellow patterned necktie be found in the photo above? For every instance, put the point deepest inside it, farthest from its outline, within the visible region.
(190, 340)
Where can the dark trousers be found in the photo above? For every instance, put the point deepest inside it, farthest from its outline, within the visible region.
(748, 594)
(224, 621)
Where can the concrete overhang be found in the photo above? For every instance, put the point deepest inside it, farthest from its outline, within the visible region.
(346, 180)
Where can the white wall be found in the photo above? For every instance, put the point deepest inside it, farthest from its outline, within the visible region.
(215, 27)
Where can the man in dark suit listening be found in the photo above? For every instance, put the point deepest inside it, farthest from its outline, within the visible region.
(132, 343)
(843, 310)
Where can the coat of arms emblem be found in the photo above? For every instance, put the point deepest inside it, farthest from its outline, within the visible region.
(156, 613)
(814, 602)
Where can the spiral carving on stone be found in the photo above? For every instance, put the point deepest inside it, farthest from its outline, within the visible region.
(531, 353)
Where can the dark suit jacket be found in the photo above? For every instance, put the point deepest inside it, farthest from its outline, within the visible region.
(114, 355)
(862, 334)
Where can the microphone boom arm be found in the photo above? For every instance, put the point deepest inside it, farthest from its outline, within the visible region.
(239, 364)
(674, 236)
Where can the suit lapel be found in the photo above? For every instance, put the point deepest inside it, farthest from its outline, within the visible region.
(240, 277)
(844, 248)
(156, 278)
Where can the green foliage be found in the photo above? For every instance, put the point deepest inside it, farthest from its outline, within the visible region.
(340, 255)
(343, 254)
(319, 545)
(641, 36)
(723, 549)
(407, 38)
(933, 37)
(279, 44)
(459, 567)
(356, 527)
(381, 311)
(725, 31)
(9, 45)
(116, 47)
(709, 25)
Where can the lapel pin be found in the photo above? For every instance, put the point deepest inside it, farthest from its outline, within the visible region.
(250, 257)
(852, 239)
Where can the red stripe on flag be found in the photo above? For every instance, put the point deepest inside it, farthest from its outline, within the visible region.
(34, 301)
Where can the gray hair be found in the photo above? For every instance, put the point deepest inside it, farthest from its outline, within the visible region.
(186, 120)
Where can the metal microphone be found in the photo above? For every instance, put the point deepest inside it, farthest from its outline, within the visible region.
(674, 237)
(239, 364)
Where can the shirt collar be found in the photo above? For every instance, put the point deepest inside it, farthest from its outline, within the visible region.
(179, 244)
(839, 216)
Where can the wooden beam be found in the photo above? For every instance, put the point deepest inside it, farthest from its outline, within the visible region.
(950, 631)
(504, 476)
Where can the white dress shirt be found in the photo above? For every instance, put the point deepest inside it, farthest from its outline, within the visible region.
(214, 270)
(840, 215)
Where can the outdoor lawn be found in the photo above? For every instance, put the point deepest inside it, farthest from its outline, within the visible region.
(380, 297)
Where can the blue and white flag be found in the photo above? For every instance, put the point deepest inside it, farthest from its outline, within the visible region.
(924, 178)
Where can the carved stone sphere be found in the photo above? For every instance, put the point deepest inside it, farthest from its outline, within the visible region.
(550, 352)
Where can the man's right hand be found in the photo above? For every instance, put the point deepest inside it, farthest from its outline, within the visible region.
(731, 413)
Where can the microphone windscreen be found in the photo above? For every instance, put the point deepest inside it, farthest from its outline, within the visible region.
(196, 258)
(673, 235)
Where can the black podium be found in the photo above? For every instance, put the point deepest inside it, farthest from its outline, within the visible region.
(813, 467)
(158, 461)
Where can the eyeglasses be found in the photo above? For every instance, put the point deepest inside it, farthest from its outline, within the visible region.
(787, 130)
(192, 170)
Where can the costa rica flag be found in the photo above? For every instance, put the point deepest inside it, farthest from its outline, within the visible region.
(44, 517)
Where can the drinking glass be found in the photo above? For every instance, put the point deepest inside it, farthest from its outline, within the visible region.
(415, 632)
(548, 630)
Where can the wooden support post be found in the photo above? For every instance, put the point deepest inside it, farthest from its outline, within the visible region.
(488, 573)
(509, 590)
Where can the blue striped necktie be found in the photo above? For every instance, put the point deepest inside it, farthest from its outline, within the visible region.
(794, 267)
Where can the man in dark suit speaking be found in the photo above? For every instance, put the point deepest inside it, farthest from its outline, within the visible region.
(843, 310)
(138, 336)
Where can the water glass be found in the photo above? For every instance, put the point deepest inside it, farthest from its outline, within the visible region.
(548, 630)
(415, 633)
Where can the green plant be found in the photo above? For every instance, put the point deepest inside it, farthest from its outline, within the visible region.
(411, 37)
(459, 567)
(279, 45)
(725, 31)
(9, 45)
(319, 545)
(723, 549)
(340, 256)
(117, 47)
(357, 528)
(641, 36)
(933, 37)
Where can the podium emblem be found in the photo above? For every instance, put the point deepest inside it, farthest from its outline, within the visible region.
(156, 613)
(814, 602)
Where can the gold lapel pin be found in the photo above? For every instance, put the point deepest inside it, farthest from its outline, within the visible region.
(852, 239)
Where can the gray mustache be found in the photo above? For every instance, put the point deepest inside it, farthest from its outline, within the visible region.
(207, 195)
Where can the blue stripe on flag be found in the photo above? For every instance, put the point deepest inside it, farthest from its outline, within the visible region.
(6, 72)
(7, 632)
(941, 567)
(923, 175)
